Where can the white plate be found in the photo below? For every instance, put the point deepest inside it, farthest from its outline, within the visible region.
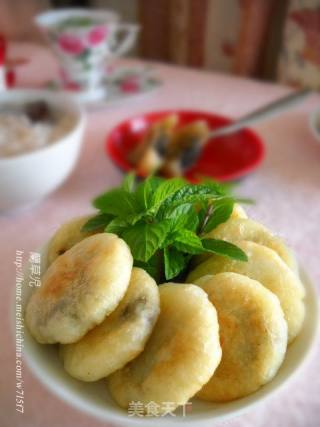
(93, 398)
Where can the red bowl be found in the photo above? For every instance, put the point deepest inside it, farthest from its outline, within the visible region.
(224, 159)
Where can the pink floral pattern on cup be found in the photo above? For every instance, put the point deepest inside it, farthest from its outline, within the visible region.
(130, 84)
(97, 35)
(71, 44)
(84, 46)
(73, 86)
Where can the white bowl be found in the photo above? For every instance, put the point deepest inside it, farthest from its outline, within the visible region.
(28, 177)
(93, 398)
(314, 123)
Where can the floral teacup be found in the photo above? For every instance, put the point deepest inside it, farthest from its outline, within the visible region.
(84, 41)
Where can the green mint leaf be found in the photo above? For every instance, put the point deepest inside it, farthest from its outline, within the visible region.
(188, 190)
(117, 226)
(117, 202)
(97, 222)
(163, 221)
(188, 194)
(167, 188)
(224, 188)
(145, 239)
(227, 249)
(202, 210)
(187, 241)
(129, 181)
(183, 216)
(150, 269)
(221, 213)
(218, 188)
(245, 201)
(134, 218)
(146, 189)
(154, 266)
(174, 262)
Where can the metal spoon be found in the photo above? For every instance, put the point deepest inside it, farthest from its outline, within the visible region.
(263, 113)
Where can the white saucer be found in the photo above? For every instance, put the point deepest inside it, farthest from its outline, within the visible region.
(113, 90)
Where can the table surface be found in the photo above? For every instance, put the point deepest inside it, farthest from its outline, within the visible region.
(286, 189)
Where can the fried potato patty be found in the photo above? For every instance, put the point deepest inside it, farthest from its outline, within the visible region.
(67, 235)
(79, 289)
(265, 266)
(238, 212)
(253, 336)
(120, 337)
(237, 229)
(180, 356)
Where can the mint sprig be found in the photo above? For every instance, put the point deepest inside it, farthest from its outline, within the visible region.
(164, 222)
(175, 262)
(97, 222)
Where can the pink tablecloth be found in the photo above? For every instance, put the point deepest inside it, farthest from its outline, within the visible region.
(286, 189)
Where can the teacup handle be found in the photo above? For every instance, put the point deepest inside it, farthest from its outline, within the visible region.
(128, 40)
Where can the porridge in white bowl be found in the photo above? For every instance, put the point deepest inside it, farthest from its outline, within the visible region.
(41, 133)
(30, 126)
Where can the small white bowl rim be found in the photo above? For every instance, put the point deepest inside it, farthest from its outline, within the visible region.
(48, 96)
(242, 405)
(314, 117)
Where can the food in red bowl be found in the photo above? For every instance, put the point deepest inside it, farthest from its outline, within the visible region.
(223, 158)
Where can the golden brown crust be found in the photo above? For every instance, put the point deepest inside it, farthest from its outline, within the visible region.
(79, 289)
(180, 356)
(237, 229)
(253, 336)
(67, 235)
(265, 266)
(120, 337)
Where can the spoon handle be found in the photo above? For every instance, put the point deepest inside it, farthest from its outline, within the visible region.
(263, 113)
